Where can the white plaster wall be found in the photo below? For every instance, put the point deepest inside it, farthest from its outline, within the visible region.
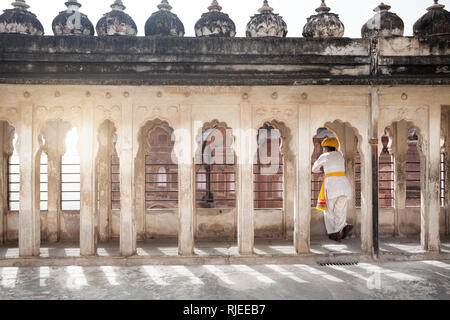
(348, 104)
(161, 223)
(268, 223)
(216, 224)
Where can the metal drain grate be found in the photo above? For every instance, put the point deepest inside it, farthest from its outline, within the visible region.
(337, 261)
(330, 264)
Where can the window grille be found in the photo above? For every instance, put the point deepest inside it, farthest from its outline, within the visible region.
(216, 177)
(268, 170)
(443, 184)
(44, 182)
(14, 179)
(357, 180)
(161, 173)
(413, 193)
(14, 182)
(156, 195)
(115, 182)
(70, 174)
(386, 180)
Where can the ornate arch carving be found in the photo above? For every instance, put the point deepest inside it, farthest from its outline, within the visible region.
(203, 129)
(285, 136)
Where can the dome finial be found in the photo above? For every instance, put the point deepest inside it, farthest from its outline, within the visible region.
(265, 8)
(324, 24)
(73, 4)
(164, 5)
(19, 20)
(215, 6)
(382, 8)
(436, 6)
(383, 24)
(323, 7)
(20, 4)
(118, 5)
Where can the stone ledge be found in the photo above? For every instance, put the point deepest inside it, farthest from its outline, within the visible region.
(219, 61)
(308, 259)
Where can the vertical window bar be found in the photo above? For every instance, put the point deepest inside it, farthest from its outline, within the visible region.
(115, 182)
(13, 173)
(267, 189)
(43, 182)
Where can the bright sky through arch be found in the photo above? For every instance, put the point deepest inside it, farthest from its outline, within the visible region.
(353, 13)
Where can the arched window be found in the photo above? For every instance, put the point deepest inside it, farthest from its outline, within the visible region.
(215, 169)
(161, 172)
(268, 170)
(317, 178)
(413, 193)
(162, 139)
(162, 177)
(386, 175)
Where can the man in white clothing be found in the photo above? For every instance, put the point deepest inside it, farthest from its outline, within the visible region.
(336, 190)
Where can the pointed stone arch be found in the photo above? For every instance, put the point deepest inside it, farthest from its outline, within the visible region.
(399, 130)
(7, 134)
(51, 138)
(144, 134)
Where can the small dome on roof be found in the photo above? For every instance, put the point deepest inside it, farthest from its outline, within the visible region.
(20, 20)
(436, 22)
(324, 24)
(164, 22)
(266, 24)
(383, 24)
(72, 21)
(116, 22)
(215, 23)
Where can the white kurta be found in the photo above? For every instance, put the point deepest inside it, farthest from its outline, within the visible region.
(337, 190)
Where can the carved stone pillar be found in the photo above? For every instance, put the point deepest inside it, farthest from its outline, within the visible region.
(88, 218)
(446, 131)
(245, 206)
(103, 168)
(186, 196)
(400, 132)
(3, 180)
(54, 192)
(351, 147)
(29, 214)
(127, 187)
(290, 193)
(430, 238)
(302, 216)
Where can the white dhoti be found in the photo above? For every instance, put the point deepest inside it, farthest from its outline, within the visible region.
(336, 214)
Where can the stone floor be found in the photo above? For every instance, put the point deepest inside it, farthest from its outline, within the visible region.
(393, 280)
(319, 246)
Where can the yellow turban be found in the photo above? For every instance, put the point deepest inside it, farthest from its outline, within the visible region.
(330, 142)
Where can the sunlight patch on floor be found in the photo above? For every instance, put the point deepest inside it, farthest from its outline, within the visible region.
(185, 272)
(370, 268)
(219, 273)
(76, 279)
(9, 277)
(155, 275)
(285, 273)
(317, 272)
(261, 277)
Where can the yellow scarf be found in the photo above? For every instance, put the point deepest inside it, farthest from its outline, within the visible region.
(321, 202)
